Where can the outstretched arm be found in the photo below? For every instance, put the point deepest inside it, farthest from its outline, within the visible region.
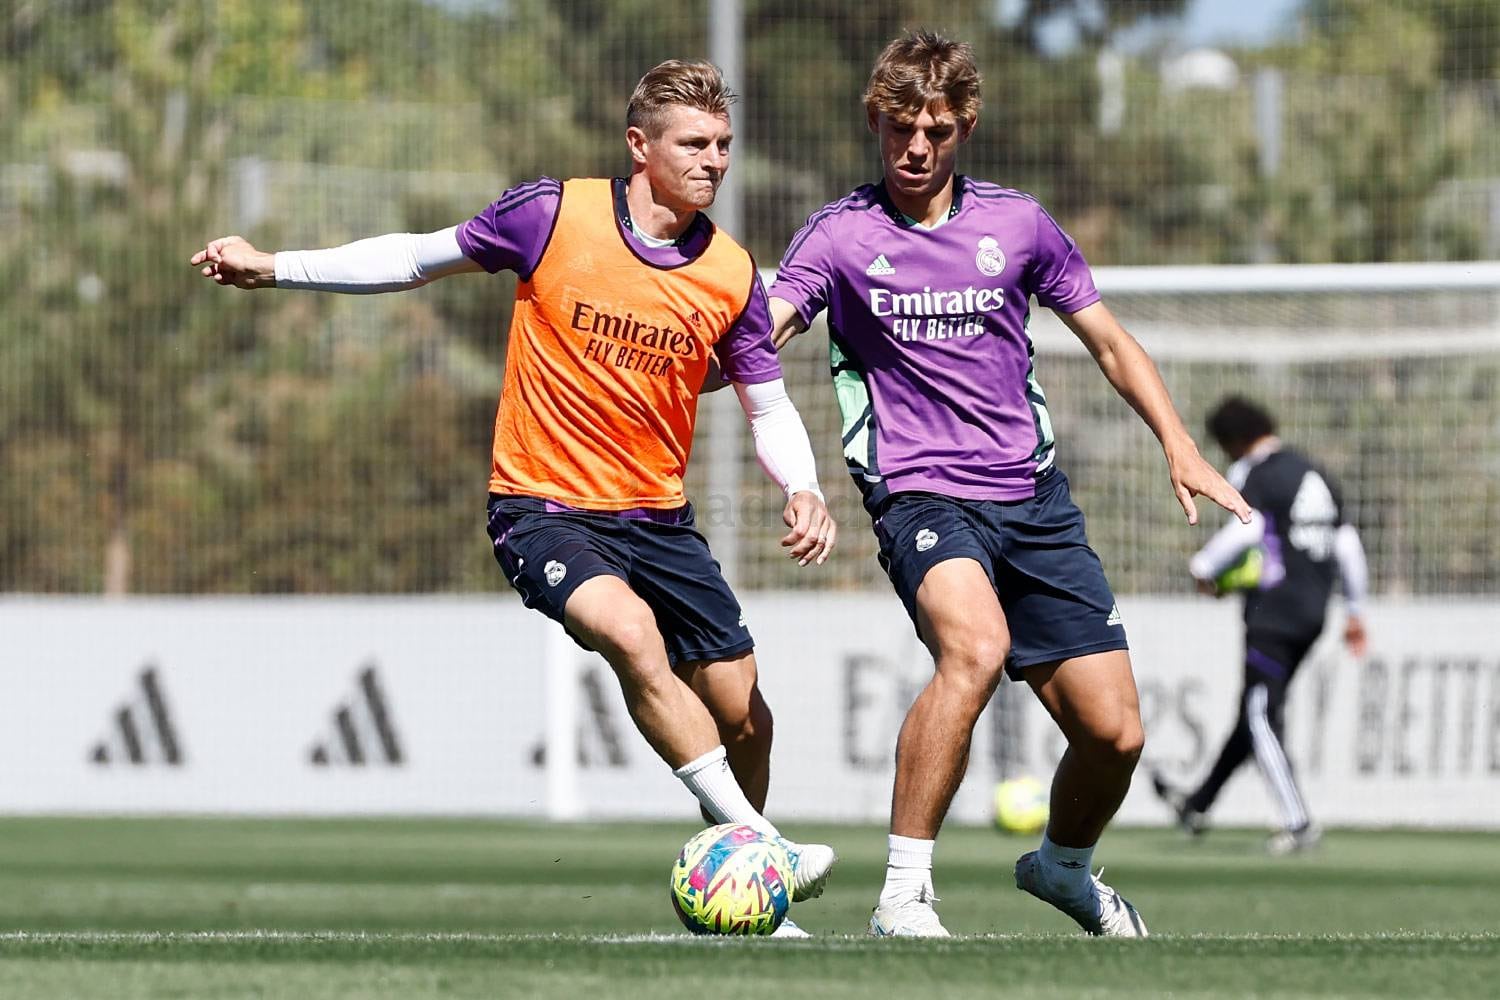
(389, 263)
(785, 453)
(1134, 376)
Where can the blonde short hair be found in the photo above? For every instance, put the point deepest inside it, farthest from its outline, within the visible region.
(697, 85)
(921, 69)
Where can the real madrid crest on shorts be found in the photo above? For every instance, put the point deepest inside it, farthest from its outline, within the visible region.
(554, 572)
(926, 539)
(990, 259)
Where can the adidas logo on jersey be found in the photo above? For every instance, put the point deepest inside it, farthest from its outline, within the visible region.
(880, 267)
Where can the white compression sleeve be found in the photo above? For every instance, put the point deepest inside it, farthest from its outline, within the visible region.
(1353, 569)
(781, 441)
(388, 263)
(1227, 545)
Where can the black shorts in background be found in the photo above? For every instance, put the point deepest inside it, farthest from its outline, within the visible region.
(547, 550)
(1051, 585)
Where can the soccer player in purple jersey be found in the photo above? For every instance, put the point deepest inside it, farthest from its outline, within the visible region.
(927, 277)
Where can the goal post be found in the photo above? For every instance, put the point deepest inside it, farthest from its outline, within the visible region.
(1386, 374)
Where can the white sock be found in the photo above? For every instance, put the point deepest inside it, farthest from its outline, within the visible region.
(710, 779)
(1065, 869)
(908, 869)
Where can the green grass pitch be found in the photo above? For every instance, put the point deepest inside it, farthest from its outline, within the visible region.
(414, 909)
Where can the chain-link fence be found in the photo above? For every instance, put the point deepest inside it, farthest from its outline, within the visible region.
(158, 435)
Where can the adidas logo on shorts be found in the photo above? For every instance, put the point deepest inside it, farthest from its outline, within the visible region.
(1114, 616)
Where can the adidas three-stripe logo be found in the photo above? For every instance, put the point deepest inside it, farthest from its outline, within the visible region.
(363, 731)
(880, 267)
(141, 730)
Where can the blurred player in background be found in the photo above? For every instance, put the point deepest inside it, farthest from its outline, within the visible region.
(927, 278)
(1284, 560)
(627, 294)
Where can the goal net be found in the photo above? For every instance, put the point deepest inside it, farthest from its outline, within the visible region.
(1388, 375)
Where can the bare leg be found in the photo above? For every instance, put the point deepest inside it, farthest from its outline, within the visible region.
(962, 623)
(608, 615)
(1093, 700)
(675, 720)
(729, 689)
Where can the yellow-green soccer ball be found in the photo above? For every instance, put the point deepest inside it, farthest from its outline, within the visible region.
(731, 879)
(1244, 574)
(1021, 805)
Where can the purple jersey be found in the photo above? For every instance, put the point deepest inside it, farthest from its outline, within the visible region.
(931, 361)
(512, 233)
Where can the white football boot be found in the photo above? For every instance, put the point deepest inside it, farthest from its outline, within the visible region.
(789, 930)
(1189, 820)
(811, 865)
(1103, 911)
(1284, 842)
(910, 917)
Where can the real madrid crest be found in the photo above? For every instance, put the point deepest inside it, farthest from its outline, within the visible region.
(990, 259)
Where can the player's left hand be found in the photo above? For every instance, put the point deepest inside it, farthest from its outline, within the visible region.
(1355, 637)
(813, 531)
(1192, 476)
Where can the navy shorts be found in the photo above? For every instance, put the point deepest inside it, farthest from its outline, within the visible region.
(547, 550)
(1051, 585)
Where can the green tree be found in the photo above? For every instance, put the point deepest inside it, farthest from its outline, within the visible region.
(121, 441)
(109, 349)
(1096, 21)
(1372, 132)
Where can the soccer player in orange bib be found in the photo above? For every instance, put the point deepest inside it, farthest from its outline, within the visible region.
(628, 296)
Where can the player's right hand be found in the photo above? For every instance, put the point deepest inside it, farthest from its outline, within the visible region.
(1192, 476)
(231, 260)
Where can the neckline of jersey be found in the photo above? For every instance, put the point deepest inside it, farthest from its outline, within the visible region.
(701, 227)
(901, 219)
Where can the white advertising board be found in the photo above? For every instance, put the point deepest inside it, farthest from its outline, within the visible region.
(450, 706)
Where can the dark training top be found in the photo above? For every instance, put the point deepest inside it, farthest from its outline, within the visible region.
(1303, 510)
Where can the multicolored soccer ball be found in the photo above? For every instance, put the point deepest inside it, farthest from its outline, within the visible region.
(731, 879)
(1021, 806)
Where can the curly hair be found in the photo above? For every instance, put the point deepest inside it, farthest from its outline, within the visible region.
(922, 69)
(1236, 422)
